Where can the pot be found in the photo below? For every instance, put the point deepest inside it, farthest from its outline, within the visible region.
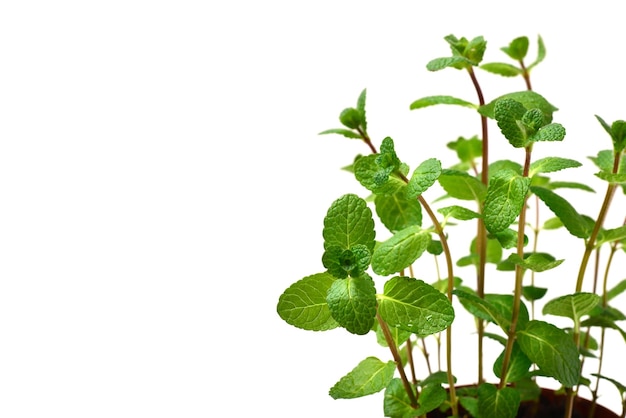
(549, 405)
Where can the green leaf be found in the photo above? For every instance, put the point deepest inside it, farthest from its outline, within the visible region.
(617, 131)
(541, 53)
(304, 305)
(519, 365)
(533, 293)
(435, 247)
(458, 212)
(616, 290)
(604, 160)
(527, 98)
(351, 118)
(360, 106)
(505, 198)
(494, 402)
(552, 132)
(572, 220)
(467, 150)
(507, 238)
(424, 176)
(437, 100)
(552, 349)
(448, 62)
(517, 49)
(436, 378)
(551, 164)
(462, 186)
(508, 113)
(415, 306)
(400, 251)
(482, 308)
(430, 398)
(352, 302)
(369, 376)
(536, 262)
(503, 69)
(568, 185)
(611, 235)
(613, 178)
(398, 212)
(573, 306)
(349, 222)
(345, 132)
(396, 403)
(341, 263)
(399, 336)
(619, 386)
(379, 180)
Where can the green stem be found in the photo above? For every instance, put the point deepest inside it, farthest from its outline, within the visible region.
(481, 233)
(591, 242)
(396, 357)
(519, 275)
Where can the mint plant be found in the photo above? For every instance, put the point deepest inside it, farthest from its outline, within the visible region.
(374, 287)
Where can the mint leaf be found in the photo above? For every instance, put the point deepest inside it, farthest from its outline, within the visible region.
(518, 366)
(533, 293)
(572, 220)
(552, 349)
(398, 335)
(396, 402)
(551, 164)
(397, 211)
(517, 49)
(457, 62)
(613, 178)
(610, 235)
(573, 306)
(467, 150)
(527, 98)
(551, 132)
(568, 185)
(503, 69)
(379, 180)
(616, 290)
(462, 186)
(415, 306)
(360, 106)
(459, 212)
(430, 398)
(424, 176)
(369, 376)
(349, 222)
(437, 100)
(536, 262)
(352, 303)
(351, 118)
(541, 53)
(341, 263)
(304, 305)
(494, 402)
(400, 251)
(482, 308)
(345, 132)
(509, 113)
(505, 197)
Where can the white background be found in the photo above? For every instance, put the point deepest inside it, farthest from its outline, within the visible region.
(162, 182)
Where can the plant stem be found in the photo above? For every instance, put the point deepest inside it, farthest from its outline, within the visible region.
(591, 242)
(519, 276)
(481, 233)
(409, 355)
(396, 357)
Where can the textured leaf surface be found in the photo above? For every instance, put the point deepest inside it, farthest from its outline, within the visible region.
(349, 222)
(528, 99)
(462, 186)
(536, 262)
(445, 62)
(369, 376)
(377, 179)
(436, 100)
(508, 113)
(505, 197)
(519, 365)
(415, 306)
(304, 305)
(550, 133)
(459, 212)
(551, 164)
(552, 349)
(397, 211)
(400, 251)
(352, 303)
(573, 306)
(396, 403)
(494, 402)
(424, 176)
(571, 219)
